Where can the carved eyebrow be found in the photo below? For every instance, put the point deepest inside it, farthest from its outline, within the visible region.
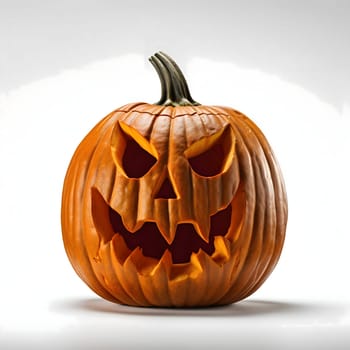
(132, 153)
(138, 138)
(212, 154)
(224, 135)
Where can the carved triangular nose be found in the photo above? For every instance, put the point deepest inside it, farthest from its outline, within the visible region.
(166, 190)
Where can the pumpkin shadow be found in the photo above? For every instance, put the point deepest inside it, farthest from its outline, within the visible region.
(244, 308)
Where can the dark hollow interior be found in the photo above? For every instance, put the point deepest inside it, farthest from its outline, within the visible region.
(210, 162)
(166, 190)
(186, 241)
(136, 161)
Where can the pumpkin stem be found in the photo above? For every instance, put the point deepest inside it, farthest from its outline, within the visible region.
(174, 87)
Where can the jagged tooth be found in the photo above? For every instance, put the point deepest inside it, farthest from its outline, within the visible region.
(120, 249)
(165, 261)
(196, 264)
(214, 277)
(202, 256)
(172, 231)
(167, 233)
(143, 264)
(166, 220)
(132, 225)
(147, 265)
(206, 260)
(191, 269)
(133, 257)
(130, 278)
(198, 287)
(222, 250)
(167, 229)
(203, 228)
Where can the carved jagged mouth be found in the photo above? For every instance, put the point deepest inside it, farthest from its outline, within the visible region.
(149, 238)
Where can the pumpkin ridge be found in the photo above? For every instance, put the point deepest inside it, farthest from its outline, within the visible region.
(260, 226)
(256, 244)
(93, 281)
(189, 176)
(112, 286)
(127, 275)
(242, 245)
(236, 166)
(279, 191)
(269, 224)
(251, 280)
(113, 180)
(90, 177)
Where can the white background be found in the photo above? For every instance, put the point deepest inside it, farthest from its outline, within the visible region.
(65, 64)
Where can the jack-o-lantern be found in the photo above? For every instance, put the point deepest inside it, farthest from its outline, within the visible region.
(174, 203)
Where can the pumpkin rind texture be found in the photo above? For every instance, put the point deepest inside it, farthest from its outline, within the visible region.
(174, 204)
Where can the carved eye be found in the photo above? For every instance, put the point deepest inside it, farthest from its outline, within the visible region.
(211, 155)
(136, 161)
(134, 155)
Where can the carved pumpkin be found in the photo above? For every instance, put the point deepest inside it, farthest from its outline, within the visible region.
(174, 203)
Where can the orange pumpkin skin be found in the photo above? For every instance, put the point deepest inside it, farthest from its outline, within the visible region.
(174, 205)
